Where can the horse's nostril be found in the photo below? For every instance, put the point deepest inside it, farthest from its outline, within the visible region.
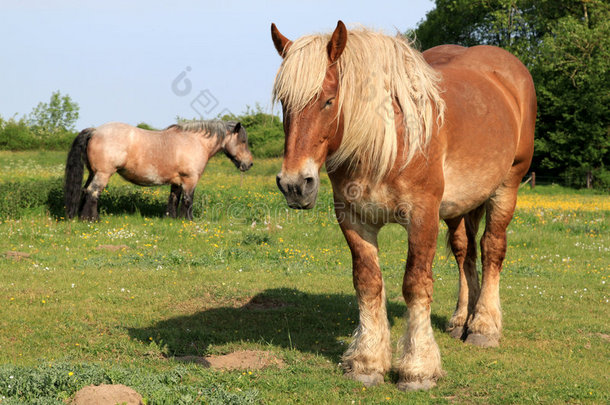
(309, 183)
(278, 181)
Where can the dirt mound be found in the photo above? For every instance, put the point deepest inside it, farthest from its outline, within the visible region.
(16, 255)
(240, 360)
(107, 395)
(112, 248)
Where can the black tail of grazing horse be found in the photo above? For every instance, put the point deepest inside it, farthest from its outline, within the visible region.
(77, 157)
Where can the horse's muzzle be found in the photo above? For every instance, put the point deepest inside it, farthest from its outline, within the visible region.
(244, 166)
(300, 190)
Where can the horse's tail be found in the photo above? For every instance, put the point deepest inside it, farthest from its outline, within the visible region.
(77, 157)
(472, 220)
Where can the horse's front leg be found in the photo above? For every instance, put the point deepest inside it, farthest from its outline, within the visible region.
(174, 199)
(368, 357)
(420, 364)
(188, 192)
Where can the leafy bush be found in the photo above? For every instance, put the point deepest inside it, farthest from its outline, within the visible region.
(144, 125)
(17, 198)
(49, 126)
(17, 134)
(57, 116)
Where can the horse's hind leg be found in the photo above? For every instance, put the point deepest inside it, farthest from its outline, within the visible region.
(368, 357)
(84, 191)
(485, 326)
(174, 199)
(462, 239)
(92, 193)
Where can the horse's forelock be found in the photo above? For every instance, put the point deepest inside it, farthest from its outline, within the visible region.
(374, 70)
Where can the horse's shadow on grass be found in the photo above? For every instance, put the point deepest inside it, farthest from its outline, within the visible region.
(125, 201)
(116, 202)
(284, 317)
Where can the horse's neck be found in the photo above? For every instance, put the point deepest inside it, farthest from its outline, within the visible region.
(211, 144)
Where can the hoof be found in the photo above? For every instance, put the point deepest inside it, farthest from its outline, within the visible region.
(456, 332)
(369, 380)
(420, 385)
(477, 339)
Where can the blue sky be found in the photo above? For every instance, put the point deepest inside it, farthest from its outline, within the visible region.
(151, 61)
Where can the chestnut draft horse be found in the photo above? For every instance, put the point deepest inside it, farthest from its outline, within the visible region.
(177, 156)
(408, 138)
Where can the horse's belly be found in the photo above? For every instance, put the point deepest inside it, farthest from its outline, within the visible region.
(466, 190)
(146, 177)
(456, 204)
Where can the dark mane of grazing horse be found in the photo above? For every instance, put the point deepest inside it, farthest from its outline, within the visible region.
(210, 128)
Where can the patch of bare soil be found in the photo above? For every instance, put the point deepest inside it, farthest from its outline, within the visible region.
(239, 360)
(604, 336)
(16, 255)
(112, 248)
(107, 395)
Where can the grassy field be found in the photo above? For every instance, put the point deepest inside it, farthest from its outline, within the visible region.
(122, 299)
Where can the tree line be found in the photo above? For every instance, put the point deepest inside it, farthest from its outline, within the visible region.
(52, 126)
(566, 46)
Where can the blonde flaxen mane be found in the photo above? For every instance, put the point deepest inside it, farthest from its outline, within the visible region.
(374, 69)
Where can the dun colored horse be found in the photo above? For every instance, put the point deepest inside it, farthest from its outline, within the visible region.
(177, 156)
(408, 138)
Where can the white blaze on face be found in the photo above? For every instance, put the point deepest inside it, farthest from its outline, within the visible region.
(309, 169)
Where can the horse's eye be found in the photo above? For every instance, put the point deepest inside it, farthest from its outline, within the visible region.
(329, 102)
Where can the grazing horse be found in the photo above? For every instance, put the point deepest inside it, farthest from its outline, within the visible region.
(176, 156)
(408, 138)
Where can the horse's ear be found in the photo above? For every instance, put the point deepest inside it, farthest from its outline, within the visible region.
(337, 42)
(281, 42)
(237, 128)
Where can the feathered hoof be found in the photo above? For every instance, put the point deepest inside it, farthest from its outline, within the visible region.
(418, 385)
(456, 332)
(368, 380)
(476, 339)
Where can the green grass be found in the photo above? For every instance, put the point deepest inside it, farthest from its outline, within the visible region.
(72, 314)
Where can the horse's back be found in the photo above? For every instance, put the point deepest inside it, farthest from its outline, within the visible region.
(494, 64)
(141, 156)
(489, 121)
